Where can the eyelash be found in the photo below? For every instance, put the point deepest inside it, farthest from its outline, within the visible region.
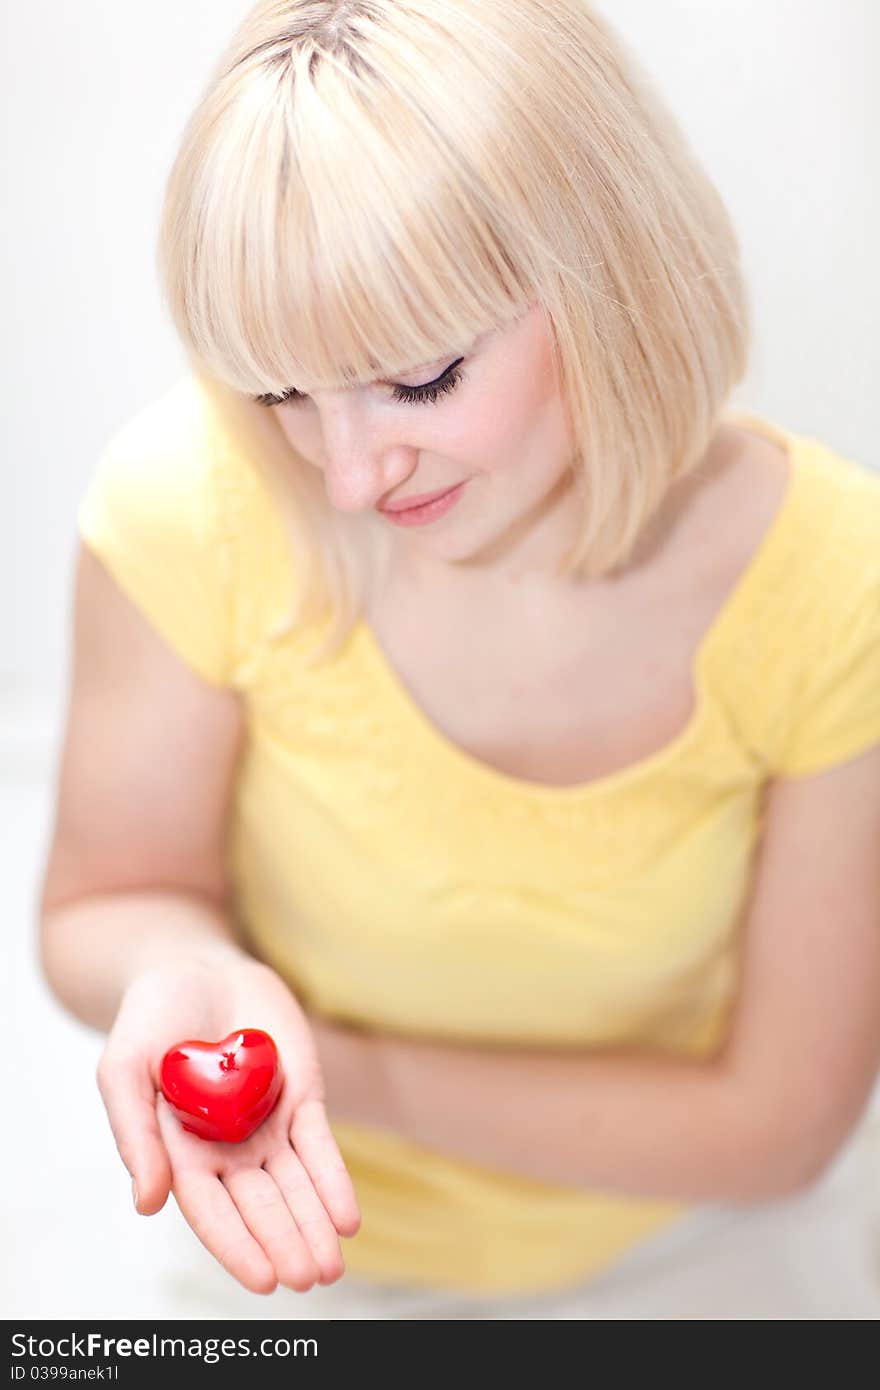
(426, 394)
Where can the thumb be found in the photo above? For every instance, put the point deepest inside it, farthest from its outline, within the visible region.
(129, 1097)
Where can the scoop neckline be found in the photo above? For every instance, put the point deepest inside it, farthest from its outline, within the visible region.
(414, 722)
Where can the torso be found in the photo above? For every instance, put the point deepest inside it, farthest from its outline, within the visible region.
(561, 694)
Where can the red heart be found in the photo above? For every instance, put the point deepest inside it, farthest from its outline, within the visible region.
(222, 1090)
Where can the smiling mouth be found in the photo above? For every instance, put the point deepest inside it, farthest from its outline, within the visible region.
(419, 500)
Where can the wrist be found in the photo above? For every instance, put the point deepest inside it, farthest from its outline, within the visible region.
(94, 948)
(207, 958)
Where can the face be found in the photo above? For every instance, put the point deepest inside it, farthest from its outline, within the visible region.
(498, 428)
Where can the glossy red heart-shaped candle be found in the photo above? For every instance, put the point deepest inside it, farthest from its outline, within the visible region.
(222, 1090)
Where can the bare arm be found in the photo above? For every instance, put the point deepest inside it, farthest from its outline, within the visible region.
(654, 1127)
(650, 1126)
(136, 873)
(136, 938)
(92, 949)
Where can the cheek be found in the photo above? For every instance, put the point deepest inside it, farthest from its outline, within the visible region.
(302, 431)
(520, 424)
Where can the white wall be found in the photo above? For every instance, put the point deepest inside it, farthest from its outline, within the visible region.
(775, 95)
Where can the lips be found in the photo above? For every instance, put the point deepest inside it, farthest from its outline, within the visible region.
(416, 501)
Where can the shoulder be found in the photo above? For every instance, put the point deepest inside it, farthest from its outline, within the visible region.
(749, 494)
(814, 506)
(827, 487)
(168, 424)
(158, 470)
(738, 496)
(802, 666)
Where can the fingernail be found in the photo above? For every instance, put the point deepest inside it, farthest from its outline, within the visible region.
(134, 1192)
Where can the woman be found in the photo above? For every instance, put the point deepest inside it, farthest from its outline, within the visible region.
(520, 819)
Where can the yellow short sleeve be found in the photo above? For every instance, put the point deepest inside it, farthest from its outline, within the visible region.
(151, 515)
(836, 712)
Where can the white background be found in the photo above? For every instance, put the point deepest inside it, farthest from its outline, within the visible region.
(776, 98)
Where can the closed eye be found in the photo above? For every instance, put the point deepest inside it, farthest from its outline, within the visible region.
(427, 392)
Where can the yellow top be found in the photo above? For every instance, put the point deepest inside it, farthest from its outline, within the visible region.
(395, 881)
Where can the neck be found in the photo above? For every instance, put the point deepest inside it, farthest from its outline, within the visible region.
(525, 559)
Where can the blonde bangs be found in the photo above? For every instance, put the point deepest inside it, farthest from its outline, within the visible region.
(348, 240)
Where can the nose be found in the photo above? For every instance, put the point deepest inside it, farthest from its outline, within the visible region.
(361, 461)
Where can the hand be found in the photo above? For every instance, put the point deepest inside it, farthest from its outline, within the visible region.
(271, 1209)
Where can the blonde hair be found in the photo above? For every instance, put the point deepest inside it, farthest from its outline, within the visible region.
(365, 184)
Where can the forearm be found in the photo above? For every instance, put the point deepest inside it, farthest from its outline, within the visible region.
(91, 949)
(645, 1125)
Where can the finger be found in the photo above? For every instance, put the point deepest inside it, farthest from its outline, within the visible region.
(217, 1222)
(309, 1213)
(130, 1101)
(266, 1215)
(313, 1141)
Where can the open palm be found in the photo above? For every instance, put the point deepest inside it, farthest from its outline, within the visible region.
(272, 1207)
